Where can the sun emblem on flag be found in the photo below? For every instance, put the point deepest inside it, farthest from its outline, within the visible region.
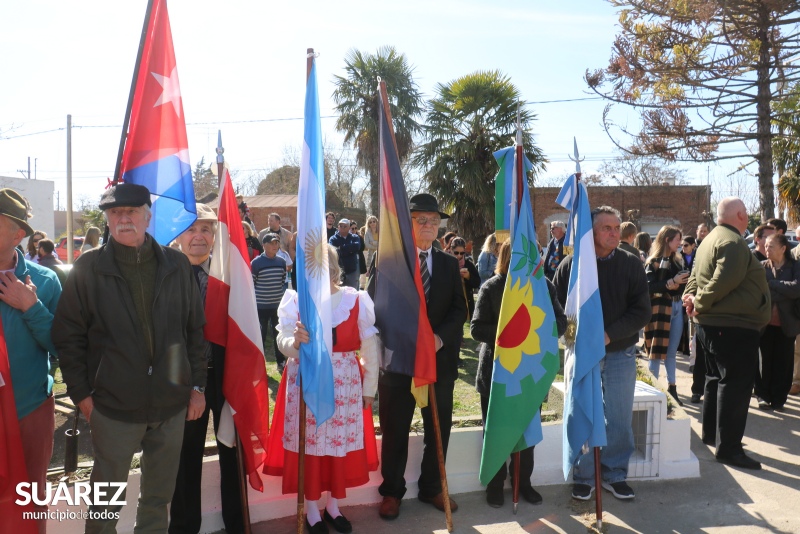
(572, 330)
(316, 254)
(517, 330)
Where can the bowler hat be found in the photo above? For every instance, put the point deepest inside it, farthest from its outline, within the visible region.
(15, 207)
(125, 194)
(425, 202)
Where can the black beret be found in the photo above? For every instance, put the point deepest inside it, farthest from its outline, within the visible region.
(125, 194)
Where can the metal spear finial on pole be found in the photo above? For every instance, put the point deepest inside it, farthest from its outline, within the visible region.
(577, 159)
(220, 157)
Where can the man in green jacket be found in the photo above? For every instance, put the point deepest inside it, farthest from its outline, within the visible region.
(130, 341)
(727, 295)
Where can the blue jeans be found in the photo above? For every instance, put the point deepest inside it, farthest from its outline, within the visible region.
(618, 375)
(675, 333)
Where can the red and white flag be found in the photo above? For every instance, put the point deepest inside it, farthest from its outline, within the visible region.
(232, 321)
(12, 457)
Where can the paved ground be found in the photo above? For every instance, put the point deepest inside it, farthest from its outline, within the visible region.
(723, 500)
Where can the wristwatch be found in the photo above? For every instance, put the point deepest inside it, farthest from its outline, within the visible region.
(199, 389)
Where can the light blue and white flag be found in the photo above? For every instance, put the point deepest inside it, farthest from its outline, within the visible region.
(584, 420)
(313, 280)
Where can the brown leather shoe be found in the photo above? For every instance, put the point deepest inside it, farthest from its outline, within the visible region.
(390, 508)
(795, 389)
(438, 502)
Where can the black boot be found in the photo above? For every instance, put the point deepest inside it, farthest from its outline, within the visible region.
(673, 390)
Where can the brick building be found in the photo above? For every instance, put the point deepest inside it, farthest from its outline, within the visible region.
(649, 207)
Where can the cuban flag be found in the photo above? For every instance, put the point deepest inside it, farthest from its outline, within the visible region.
(313, 279)
(584, 420)
(156, 153)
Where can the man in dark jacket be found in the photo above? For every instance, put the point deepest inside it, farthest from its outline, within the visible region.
(347, 245)
(626, 310)
(130, 343)
(555, 248)
(447, 311)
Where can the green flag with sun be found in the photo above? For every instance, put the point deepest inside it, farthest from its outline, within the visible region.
(526, 349)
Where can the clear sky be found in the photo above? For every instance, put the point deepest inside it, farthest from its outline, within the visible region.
(242, 65)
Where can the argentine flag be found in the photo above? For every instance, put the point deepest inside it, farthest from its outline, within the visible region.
(313, 280)
(584, 420)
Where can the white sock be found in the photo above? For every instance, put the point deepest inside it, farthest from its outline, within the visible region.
(312, 512)
(333, 507)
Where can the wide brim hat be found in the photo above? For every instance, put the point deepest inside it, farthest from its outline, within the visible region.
(125, 194)
(15, 207)
(426, 202)
(204, 213)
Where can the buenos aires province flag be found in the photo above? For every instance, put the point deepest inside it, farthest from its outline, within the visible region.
(584, 420)
(526, 350)
(313, 280)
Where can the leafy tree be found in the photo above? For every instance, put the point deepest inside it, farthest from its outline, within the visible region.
(356, 97)
(786, 149)
(281, 181)
(641, 169)
(469, 119)
(703, 75)
(205, 182)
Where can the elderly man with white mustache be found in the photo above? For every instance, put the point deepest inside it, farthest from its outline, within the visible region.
(130, 340)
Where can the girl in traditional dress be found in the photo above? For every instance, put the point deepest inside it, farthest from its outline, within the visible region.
(666, 280)
(340, 452)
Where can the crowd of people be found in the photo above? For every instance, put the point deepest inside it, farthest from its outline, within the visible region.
(133, 355)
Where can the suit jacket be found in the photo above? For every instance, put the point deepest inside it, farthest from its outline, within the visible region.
(447, 313)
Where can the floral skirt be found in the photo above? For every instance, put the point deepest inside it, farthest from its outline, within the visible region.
(340, 452)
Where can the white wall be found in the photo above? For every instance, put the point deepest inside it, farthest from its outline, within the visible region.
(40, 196)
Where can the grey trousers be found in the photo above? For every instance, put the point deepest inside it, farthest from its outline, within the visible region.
(115, 443)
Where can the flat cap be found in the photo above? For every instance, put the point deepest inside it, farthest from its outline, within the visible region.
(204, 213)
(125, 194)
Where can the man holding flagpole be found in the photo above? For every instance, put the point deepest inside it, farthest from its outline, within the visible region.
(446, 311)
(626, 309)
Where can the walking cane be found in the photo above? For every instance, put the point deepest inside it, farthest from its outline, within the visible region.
(71, 445)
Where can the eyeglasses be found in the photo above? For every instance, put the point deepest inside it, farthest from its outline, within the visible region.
(684, 245)
(458, 253)
(432, 221)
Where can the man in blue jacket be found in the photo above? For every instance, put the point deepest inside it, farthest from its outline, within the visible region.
(347, 245)
(28, 299)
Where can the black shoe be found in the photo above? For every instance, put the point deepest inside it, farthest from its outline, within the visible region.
(340, 524)
(494, 496)
(620, 490)
(696, 398)
(739, 460)
(317, 528)
(582, 492)
(673, 390)
(778, 407)
(710, 441)
(530, 495)
(763, 405)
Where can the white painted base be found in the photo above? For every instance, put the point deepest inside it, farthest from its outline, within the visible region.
(675, 460)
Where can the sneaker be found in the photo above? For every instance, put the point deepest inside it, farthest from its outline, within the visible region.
(582, 492)
(620, 490)
(763, 405)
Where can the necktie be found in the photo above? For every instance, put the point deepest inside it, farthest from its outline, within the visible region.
(425, 274)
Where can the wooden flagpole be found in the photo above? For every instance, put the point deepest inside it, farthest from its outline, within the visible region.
(598, 498)
(431, 387)
(301, 448)
(242, 475)
(521, 182)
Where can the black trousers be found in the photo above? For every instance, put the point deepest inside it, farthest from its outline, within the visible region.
(268, 319)
(396, 410)
(731, 357)
(777, 365)
(699, 371)
(185, 509)
(525, 460)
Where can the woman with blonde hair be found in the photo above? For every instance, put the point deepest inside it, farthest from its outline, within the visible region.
(91, 240)
(487, 260)
(254, 248)
(341, 451)
(371, 238)
(666, 280)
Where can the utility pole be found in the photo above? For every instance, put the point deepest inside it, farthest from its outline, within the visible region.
(70, 244)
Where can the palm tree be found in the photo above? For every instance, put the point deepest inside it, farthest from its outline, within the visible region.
(356, 97)
(467, 121)
(786, 152)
